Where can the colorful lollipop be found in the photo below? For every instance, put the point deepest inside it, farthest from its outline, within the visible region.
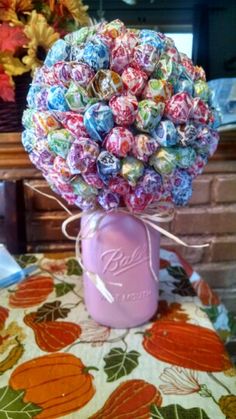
(98, 121)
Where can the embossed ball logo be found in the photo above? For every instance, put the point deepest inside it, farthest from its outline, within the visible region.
(119, 117)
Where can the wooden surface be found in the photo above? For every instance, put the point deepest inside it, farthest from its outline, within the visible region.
(14, 161)
(12, 213)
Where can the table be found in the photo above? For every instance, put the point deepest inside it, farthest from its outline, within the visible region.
(55, 361)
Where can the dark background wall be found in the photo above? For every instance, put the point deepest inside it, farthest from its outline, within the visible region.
(213, 24)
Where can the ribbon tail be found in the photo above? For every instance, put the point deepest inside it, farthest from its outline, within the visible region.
(99, 284)
(173, 237)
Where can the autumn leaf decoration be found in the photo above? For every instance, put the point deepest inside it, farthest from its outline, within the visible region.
(51, 312)
(182, 284)
(25, 260)
(175, 411)
(119, 363)
(11, 38)
(73, 267)
(28, 29)
(13, 406)
(7, 91)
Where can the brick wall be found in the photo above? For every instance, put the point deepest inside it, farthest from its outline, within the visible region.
(211, 218)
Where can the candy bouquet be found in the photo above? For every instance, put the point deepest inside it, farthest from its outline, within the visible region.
(119, 122)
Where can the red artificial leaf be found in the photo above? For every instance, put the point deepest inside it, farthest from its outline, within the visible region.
(11, 38)
(7, 92)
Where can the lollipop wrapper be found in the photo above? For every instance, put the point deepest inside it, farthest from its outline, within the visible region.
(124, 109)
(105, 84)
(81, 74)
(179, 108)
(108, 200)
(144, 146)
(107, 165)
(82, 155)
(77, 98)
(96, 54)
(119, 141)
(132, 169)
(134, 80)
(45, 122)
(165, 134)
(59, 142)
(158, 90)
(73, 122)
(149, 115)
(98, 121)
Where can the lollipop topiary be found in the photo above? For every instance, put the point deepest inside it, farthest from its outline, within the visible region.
(119, 118)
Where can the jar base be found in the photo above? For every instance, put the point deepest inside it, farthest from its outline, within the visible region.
(123, 324)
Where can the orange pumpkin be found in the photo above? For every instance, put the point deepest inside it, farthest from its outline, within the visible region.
(51, 336)
(131, 399)
(58, 383)
(4, 312)
(31, 292)
(186, 345)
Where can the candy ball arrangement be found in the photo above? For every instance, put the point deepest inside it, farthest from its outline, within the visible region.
(118, 117)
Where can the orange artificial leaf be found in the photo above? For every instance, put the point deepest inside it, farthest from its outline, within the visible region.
(11, 38)
(23, 6)
(7, 11)
(10, 9)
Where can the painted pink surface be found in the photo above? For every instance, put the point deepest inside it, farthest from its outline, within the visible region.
(119, 253)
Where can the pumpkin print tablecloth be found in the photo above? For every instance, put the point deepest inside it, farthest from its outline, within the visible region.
(55, 361)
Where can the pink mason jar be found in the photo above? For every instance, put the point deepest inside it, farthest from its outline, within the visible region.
(125, 255)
